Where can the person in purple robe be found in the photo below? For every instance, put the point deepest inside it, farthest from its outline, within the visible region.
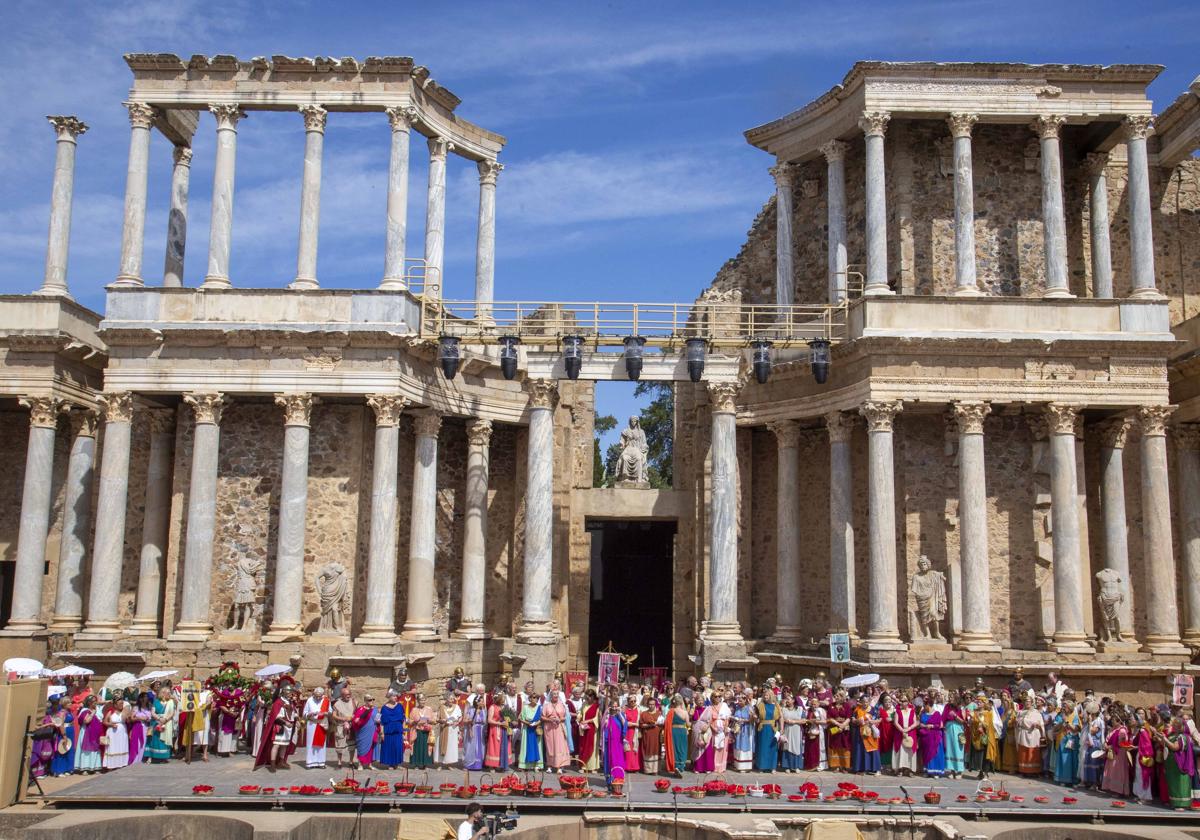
(475, 726)
(931, 744)
(614, 743)
(91, 727)
(139, 721)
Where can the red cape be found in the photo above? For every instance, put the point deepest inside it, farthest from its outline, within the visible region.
(268, 744)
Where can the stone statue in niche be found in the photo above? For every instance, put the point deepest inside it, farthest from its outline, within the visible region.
(332, 587)
(1110, 597)
(631, 467)
(245, 592)
(927, 602)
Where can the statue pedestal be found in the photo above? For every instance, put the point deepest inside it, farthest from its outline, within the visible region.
(1126, 646)
(630, 484)
(929, 646)
(328, 637)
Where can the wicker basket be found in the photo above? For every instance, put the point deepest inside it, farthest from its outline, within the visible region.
(577, 793)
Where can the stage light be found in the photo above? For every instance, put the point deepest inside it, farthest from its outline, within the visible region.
(448, 355)
(696, 348)
(633, 356)
(819, 347)
(762, 360)
(508, 355)
(572, 355)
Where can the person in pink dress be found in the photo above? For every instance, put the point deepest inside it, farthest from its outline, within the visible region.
(554, 732)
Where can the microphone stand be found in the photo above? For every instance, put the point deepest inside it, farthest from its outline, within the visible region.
(912, 820)
(362, 797)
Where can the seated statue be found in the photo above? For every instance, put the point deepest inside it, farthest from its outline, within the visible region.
(631, 466)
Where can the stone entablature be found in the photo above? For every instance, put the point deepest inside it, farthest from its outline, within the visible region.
(50, 346)
(1178, 127)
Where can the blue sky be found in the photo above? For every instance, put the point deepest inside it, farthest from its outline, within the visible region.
(626, 176)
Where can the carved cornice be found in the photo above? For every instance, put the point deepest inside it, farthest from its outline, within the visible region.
(314, 117)
(1186, 436)
(1152, 419)
(84, 421)
(141, 115)
(969, 416)
(427, 423)
(1138, 126)
(543, 393)
(207, 407)
(723, 397)
(1061, 418)
(782, 173)
(182, 155)
(1115, 432)
(479, 433)
(116, 407)
(402, 118)
(874, 123)
(840, 426)
(489, 170)
(43, 411)
(67, 128)
(387, 408)
(1096, 162)
(439, 147)
(961, 124)
(227, 115)
(1046, 126)
(834, 151)
(880, 415)
(787, 433)
(297, 408)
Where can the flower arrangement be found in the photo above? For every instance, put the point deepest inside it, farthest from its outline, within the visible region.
(962, 797)
(1069, 800)
(1118, 803)
(772, 791)
(249, 790)
(465, 791)
(404, 788)
(809, 790)
(1041, 800)
(202, 790)
(660, 785)
(268, 791)
(326, 791)
(1017, 799)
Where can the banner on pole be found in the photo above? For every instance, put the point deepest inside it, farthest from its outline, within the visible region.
(839, 647)
(610, 669)
(1182, 693)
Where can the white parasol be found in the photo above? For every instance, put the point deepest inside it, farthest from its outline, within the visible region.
(272, 671)
(53, 691)
(860, 681)
(156, 675)
(72, 671)
(23, 667)
(120, 681)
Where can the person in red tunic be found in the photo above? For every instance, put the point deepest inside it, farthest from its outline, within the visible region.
(279, 741)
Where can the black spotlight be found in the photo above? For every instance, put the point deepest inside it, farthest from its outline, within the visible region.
(633, 356)
(819, 349)
(572, 355)
(762, 360)
(448, 355)
(508, 355)
(694, 353)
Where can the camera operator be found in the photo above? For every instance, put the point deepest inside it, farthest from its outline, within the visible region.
(474, 826)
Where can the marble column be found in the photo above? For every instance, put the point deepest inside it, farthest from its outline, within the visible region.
(221, 229)
(485, 243)
(310, 197)
(435, 210)
(722, 623)
(1141, 235)
(976, 635)
(1162, 596)
(883, 632)
(474, 579)
(402, 121)
(1054, 222)
(784, 272)
(1187, 452)
(77, 523)
(835, 173)
(181, 176)
(1102, 281)
(26, 615)
(195, 621)
(156, 525)
(108, 552)
(1070, 635)
(133, 234)
(787, 531)
(422, 541)
(537, 626)
(965, 280)
(66, 130)
(874, 126)
(1113, 436)
(841, 523)
(287, 612)
(379, 623)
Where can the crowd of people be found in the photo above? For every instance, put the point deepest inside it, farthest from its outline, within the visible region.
(699, 725)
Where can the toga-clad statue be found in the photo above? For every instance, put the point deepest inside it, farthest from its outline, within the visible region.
(927, 601)
(1110, 597)
(245, 591)
(631, 467)
(332, 587)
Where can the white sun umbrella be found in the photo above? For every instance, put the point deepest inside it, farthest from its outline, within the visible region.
(119, 681)
(860, 681)
(72, 671)
(23, 667)
(272, 671)
(156, 675)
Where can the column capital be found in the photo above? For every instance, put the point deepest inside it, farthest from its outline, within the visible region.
(402, 117)
(782, 173)
(182, 155)
(297, 408)
(207, 407)
(840, 426)
(969, 416)
(1060, 418)
(961, 124)
(67, 128)
(723, 397)
(1152, 419)
(1096, 162)
(84, 421)
(227, 114)
(1138, 126)
(117, 407)
(387, 408)
(314, 117)
(489, 170)
(543, 393)
(1047, 125)
(1187, 436)
(43, 411)
(439, 147)
(880, 415)
(427, 423)
(1115, 432)
(787, 433)
(141, 115)
(834, 150)
(479, 433)
(874, 123)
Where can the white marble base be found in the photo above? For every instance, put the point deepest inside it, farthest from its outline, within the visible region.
(538, 633)
(377, 636)
(884, 644)
(1060, 645)
(142, 628)
(473, 633)
(419, 633)
(294, 633)
(1165, 647)
(713, 631)
(65, 624)
(328, 638)
(976, 644)
(1126, 646)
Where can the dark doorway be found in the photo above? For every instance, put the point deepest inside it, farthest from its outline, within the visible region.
(8, 573)
(632, 602)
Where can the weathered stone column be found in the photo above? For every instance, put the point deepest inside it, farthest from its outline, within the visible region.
(1187, 451)
(66, 129)
(883, 632)
(1162, 596)
(474, 579)
(784, 272)
(787, 531)
(221, 228)
(485, 244)
(976, 632)
(77, 523)
(537, 625)
(310, 197)
(293, 508)
(835, 172)
(435, 209)
(1054, 223)
(841, 524)
(156, 525)
(26, 615)
(181, 176)
(1102, 282)
(1070, 636)
(133, 235)
(195, 623)
(874, 126)
(722, 624)
(1141, 236)
(379, 623)
(1113, 436)
(964, 206)
(402, 120)
(422, 541)
(108, 553)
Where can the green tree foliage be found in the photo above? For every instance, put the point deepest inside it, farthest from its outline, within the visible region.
(603, 423)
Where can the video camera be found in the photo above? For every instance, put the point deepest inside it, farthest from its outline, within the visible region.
(498, 821)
